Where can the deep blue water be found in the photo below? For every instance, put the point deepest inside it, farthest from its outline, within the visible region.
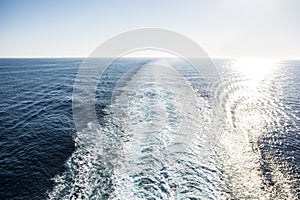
(36, 124)
(39, 142)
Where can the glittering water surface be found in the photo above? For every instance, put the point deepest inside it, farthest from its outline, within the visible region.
(164, 132)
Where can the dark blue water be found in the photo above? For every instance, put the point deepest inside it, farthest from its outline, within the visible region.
(38, 134)
(36, 124)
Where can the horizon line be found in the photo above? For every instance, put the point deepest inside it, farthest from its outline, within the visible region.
(83, 57)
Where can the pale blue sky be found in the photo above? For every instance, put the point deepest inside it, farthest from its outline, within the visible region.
(224, 28)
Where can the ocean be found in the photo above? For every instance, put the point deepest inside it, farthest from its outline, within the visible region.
(162, 131)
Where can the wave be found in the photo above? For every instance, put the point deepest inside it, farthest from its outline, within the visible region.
(165, 136)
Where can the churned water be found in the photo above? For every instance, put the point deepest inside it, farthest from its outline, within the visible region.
(164, 133)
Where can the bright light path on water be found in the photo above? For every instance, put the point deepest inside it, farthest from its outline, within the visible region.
(255, 69)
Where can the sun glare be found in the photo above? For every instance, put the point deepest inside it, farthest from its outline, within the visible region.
(255, 69)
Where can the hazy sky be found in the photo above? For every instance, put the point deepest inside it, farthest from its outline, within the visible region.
(224, 28)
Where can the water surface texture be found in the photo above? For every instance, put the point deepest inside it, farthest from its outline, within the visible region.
(164, 132)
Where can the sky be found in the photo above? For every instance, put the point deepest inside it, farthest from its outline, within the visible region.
(223, 28)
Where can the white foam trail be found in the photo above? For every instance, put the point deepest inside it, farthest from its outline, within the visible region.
(155, 145)
(168, 140)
